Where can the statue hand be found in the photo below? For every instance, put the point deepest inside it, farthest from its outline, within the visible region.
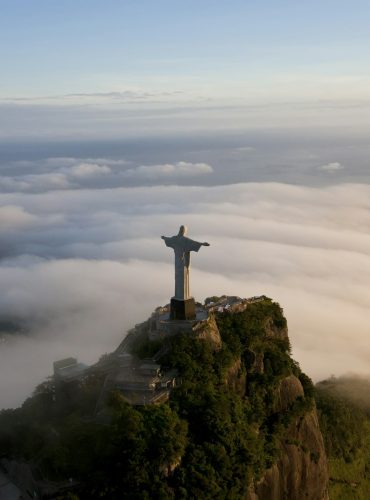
(205, 244)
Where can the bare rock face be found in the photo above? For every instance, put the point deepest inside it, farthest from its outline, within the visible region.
(301, 471)
(236, 378)
(289, 389)
(276, 332)
(208, 330)
(258, 364)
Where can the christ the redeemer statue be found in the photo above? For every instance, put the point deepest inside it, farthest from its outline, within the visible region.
(182, 304)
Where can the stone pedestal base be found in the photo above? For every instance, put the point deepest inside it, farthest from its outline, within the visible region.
(182, 309)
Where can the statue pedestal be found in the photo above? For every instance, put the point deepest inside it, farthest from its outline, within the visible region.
(182, 309)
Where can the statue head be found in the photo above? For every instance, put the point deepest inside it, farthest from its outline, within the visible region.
(183, 231)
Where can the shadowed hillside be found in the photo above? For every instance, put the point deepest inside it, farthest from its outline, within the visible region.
(344, 411)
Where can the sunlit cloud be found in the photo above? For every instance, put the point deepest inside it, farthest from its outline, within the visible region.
(179, 169)
(73, 173)
(14, 217)
(85, 170)
(331, 167)
(79, 291)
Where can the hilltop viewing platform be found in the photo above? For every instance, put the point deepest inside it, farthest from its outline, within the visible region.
(161, 324)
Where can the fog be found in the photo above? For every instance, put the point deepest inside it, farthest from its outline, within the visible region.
(82, 264)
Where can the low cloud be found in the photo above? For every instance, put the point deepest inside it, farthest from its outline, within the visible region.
(13, 216)
(169, 171)
(331, 168)
(54, 174)
(64, 173)
(65, 162)
(77, 291)
(88, 170)
(35, 183)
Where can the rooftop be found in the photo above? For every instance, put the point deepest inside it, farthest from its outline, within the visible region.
(69, 369)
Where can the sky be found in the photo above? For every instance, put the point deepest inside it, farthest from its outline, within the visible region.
(51, 47)
(120, 121)
(160, 61)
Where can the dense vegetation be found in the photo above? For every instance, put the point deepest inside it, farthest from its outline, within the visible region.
(218, 431)
(344, 412)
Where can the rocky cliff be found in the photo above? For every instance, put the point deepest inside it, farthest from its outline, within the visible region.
(301, 470)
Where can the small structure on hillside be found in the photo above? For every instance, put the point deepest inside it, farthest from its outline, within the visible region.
(145, 384)
(69, 376)
(140, 382)
(69, 370)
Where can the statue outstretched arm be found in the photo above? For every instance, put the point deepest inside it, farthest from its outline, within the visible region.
(168, 241)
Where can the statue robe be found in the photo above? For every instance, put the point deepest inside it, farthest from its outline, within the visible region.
(182, 246)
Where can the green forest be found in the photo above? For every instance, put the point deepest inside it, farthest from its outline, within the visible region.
(344, 412)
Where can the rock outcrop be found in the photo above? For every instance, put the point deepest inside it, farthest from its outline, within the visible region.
(301, 470)
(208, 330)
(288, 390)
(236, 377)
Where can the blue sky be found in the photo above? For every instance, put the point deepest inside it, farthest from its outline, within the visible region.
(93, 69)
(55, 47)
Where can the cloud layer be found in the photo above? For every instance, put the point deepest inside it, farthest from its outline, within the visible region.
(76, 173)
(331, 167)
(169, 171)
(79, 267)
